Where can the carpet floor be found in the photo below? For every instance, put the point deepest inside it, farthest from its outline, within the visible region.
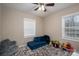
(47, 50)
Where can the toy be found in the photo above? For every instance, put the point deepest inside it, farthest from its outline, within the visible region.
(67, 46)
(56, 43)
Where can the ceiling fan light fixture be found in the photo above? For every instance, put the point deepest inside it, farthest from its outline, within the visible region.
(41, 8)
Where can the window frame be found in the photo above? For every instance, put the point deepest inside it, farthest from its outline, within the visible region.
(30, 35)
(63, 30)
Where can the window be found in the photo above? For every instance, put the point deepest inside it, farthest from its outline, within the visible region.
(29, 27)
(70, 27)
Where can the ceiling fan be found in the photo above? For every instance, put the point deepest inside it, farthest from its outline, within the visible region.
(42, 6)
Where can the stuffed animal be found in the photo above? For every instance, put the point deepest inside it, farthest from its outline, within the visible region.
(56, 43)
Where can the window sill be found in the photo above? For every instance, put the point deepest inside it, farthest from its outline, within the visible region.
(71, 39)
(29, 36)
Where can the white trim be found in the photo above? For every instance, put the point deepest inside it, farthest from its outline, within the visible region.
(63, 26)
(21, 46)
(71, 14)
(29, 36)
(67, 38)
(31, 20)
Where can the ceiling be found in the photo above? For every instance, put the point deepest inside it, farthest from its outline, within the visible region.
(29, 7)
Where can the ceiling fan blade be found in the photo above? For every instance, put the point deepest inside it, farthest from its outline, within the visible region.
(36, 8)
(50, 4)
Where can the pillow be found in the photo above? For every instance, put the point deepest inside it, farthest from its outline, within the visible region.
(38, 39)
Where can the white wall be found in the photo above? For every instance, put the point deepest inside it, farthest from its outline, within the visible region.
(12, 25)
(53, 24)
(0, 23)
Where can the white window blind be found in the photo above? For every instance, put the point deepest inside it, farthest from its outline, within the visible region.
(70, 27)
(29, 27)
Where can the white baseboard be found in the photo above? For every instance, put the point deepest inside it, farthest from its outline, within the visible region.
(21, 45)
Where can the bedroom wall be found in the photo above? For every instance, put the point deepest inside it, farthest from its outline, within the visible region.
(12, 25)
(53, 24)
(0, 23)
